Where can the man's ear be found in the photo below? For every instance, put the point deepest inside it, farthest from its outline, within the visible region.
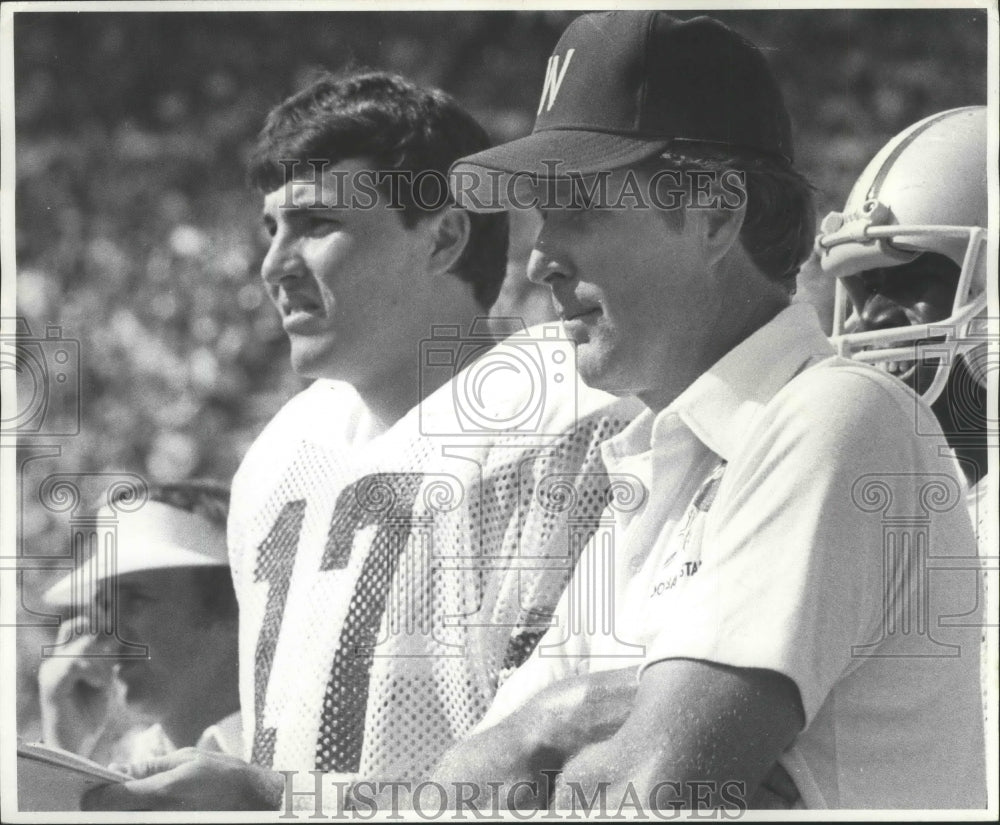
(450, 235)
(720, 230)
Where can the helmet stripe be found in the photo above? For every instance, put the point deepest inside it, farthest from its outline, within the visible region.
(900, 147)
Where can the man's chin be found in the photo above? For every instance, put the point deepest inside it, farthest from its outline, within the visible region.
(311, 359)
(594, 370)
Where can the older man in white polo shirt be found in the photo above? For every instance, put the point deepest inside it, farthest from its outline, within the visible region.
(171, 656)
(774, 587)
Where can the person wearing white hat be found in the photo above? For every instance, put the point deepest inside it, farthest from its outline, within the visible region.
(169, 593)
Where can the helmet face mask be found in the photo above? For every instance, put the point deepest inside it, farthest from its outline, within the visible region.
(924, 192)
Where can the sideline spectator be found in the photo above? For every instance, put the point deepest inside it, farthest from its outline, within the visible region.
(173, 594)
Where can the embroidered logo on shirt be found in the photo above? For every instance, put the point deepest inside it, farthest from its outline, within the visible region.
(688, 568)
(705, 496)
(690, 532)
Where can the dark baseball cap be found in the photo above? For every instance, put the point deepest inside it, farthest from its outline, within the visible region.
(623, 86)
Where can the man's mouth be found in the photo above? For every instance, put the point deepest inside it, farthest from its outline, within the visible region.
(583, 314)
(903, 370)
(579, 322)
(907, 369)
(298, 311)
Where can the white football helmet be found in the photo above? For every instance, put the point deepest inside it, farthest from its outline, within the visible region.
(925, 191)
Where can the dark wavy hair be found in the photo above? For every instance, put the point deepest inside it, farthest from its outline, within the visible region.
(396, 125)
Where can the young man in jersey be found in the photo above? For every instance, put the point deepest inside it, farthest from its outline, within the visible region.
(399, 536)
(769, 586)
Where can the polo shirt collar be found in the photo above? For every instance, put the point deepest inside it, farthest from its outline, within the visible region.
(721, 404)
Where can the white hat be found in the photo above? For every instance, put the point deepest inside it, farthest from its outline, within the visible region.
(155, 537)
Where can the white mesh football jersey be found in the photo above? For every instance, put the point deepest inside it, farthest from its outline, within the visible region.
(389, 581)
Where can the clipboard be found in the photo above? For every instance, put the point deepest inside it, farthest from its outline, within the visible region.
(51, 779)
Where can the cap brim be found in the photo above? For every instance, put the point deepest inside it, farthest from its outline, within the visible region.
(488, 181)
(81, 584)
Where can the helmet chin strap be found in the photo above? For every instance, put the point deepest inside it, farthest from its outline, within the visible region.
(951, 344)
(933, 392)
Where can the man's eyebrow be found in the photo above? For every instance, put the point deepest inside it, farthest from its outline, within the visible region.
(268, 216)
(297, 210)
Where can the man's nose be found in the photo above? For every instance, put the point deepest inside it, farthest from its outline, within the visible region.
(880, 312)
(541, 268)
(548, 264)
(283, 260)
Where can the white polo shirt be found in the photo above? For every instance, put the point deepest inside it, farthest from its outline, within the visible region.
(793, 521)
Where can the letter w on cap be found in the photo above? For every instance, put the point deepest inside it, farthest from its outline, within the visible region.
(553, 80)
